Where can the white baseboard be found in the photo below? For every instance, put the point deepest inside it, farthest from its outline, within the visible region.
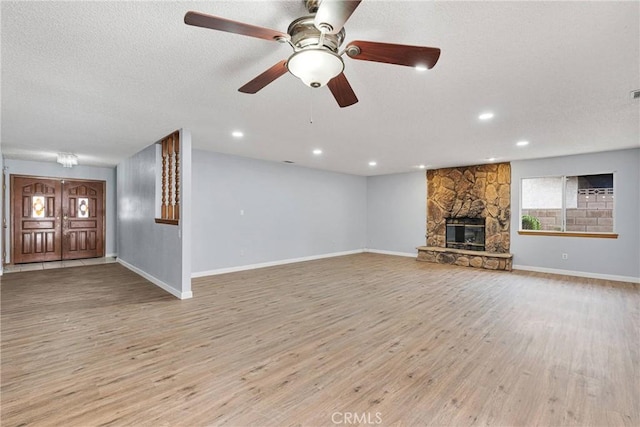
(405, 254)
(271, 263)
(173, 291)
(578, 273)
(114, 255)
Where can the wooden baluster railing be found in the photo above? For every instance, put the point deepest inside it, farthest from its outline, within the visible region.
(163, 213)
(170, 175)
(176, 212)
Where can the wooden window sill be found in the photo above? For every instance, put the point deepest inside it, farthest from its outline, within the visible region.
(568, 234)
(167, 221)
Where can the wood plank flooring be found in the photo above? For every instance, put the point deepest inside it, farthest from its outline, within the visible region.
(365, 339)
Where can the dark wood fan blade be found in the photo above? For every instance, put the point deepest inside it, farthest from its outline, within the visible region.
(334, 13)
(221, 24)
(399, 54)
(265, 78)
(342, 91)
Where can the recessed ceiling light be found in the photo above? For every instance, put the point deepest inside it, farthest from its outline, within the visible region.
(486, 116)
(317, 151)
(522, 143)
(237, 134)
(491, 159)
(421, 68)
(372, 163)
(421, 166)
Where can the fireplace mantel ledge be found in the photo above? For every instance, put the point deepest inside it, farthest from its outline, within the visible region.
(465, 252)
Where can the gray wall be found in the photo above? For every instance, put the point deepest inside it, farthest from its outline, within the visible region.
(55, 170)
(289, 212)
(620, 257)
(292, 212)
(2, 197)
(396, 212)
(156, 250)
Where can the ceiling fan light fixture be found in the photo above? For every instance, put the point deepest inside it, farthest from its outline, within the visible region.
(315, 67)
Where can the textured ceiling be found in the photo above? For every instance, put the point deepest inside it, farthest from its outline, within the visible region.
(105, 79)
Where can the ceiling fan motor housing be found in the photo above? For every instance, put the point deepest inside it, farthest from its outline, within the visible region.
(304, 33)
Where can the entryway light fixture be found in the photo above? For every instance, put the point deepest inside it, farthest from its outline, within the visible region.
(67, 160)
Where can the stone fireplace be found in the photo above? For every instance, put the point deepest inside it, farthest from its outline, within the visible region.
(468, 216)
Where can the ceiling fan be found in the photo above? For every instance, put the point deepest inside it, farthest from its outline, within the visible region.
(316, 40)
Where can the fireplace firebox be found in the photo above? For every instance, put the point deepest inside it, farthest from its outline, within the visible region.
(465, 233)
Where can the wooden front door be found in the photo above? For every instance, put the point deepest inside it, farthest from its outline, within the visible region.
(56, 219)
(37, 233)
(83, 213)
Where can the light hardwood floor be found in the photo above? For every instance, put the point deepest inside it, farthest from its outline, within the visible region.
(368, 338)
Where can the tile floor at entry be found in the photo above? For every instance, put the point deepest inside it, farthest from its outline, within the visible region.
(57, 264)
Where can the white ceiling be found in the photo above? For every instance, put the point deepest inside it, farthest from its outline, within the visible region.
(105, 79)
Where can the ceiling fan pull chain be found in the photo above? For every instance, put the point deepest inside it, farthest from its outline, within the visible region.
(311, 106)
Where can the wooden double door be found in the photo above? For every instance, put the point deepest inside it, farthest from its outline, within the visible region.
(56, 219)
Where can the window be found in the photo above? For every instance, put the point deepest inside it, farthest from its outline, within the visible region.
(580, 204)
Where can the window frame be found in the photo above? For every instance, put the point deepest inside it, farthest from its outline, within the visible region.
(593, 234)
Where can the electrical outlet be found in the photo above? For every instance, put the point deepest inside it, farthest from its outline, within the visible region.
(241, 212)
(565, 256)
(241, 252)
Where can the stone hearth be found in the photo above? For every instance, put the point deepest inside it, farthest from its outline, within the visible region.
(482, 191)
(465, 258)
